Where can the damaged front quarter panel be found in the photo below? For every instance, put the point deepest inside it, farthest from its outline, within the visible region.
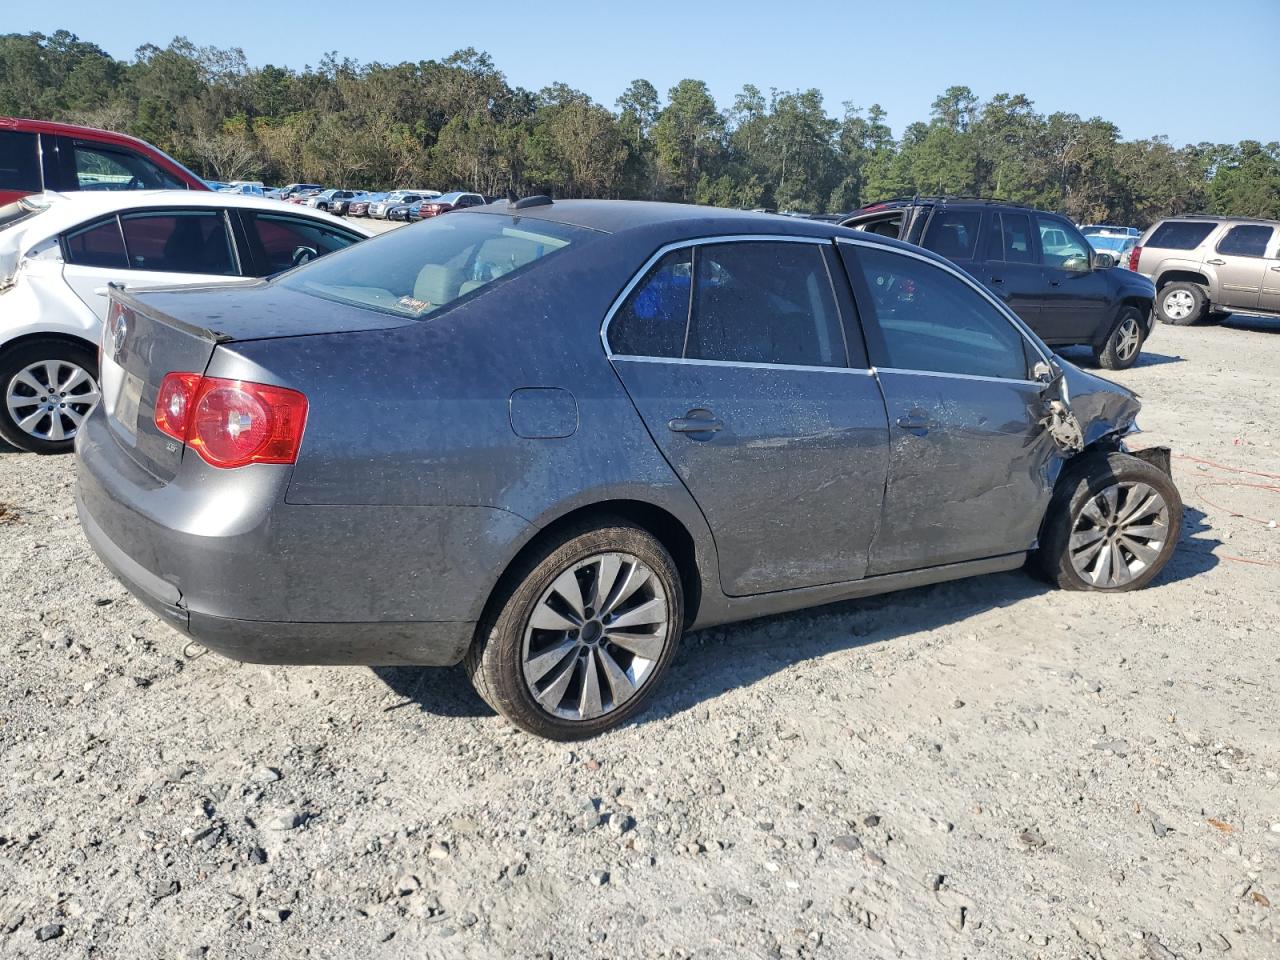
(1082, 409)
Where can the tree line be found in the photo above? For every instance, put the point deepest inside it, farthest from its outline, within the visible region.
(458, 123)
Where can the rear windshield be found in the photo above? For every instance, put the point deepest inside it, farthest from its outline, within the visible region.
(415, 271)
(1180, 234)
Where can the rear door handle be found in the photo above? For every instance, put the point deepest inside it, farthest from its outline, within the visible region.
(1276, 269)
(916, 423)
(696, 421)
(1215, 262)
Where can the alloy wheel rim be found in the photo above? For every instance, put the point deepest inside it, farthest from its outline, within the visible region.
(1179, 304)
(50, 399)
(1130, 338)
(1119, 534)
(595, 636)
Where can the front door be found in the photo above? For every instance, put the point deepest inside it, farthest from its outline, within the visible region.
(967, 466)
(1076, 295)
(151, 248)
(735, 356)
(1242, 265)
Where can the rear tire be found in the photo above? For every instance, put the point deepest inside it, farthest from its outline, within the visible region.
(1112, 525)
(1181, 304)
(1124, 345)
(578, 636)
(32, 416)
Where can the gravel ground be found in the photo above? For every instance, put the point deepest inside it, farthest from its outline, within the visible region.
(978, 769)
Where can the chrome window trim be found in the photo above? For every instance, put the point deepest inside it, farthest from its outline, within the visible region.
(710, 241)
(1000, 305)
(958, 376)
(750, 365)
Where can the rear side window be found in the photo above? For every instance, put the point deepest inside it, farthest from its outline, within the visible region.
(767, 302)
(929, 320)
(104, 168)
(652, 321)
(1246, 240)
(953, 233)
(1009, 238)
(98, 245)
(20, 161)
(179, 241)
(286, 242)
(1180, 234)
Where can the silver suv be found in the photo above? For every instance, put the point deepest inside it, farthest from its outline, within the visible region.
(1207, 267)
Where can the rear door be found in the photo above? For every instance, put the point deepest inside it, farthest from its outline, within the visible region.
(149, 248)
(1241, 261)
(967, 468)
(1270, 297)
(1076, 296)
(734, 354)
(1009, 267)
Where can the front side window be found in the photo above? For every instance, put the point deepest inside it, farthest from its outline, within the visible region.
(1009, 238)
(652, 321)
(287, 242)
(179, 241)
(1246, 240)
(97, 245)
(1060, 246)
(1180, 234)
(105, 168)
(953, 233)
(20, 161)
(930, 320)
(413, 273)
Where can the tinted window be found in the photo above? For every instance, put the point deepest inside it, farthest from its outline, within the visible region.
(415, 272)
(179, 241)
(1246, 240)
(1009, 238)
(1061, 245)
(1180, 234)
(19, 161)
(652, 321)
(953, 233)
(289, 241)
(105, 168)
(764, 303)
(928, 319)
(99, 245)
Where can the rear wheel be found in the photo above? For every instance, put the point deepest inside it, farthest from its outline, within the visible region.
(581, 633)
(1112, 525)
(1123, 347)
(1181, 304)
(49, 388)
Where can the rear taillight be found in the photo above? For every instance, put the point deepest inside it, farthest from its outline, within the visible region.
(231, 423)
(1134, 256)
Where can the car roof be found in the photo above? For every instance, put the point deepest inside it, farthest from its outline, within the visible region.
(1216, 218)
(67, 210)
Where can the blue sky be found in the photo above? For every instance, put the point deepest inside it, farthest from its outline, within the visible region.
(1128, 61)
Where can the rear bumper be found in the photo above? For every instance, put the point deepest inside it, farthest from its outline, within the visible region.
(221, 557)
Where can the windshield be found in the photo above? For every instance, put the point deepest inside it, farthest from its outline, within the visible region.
(416, 271)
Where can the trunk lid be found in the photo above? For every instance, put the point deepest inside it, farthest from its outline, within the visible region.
(156, 332)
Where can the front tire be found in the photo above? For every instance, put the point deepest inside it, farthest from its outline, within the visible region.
(48, 387)
(1181, 304)
(578, 636)
(1124, 346)
(1112, 525)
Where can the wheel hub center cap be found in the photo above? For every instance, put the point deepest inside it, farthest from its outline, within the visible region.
(592, 631)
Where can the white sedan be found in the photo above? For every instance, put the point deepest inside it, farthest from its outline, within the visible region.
(58, 253)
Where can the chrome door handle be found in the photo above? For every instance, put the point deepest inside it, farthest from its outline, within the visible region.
(695, 421)
(1276, 269)
(1215, 262)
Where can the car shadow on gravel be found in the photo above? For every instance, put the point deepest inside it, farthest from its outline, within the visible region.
(718, 659)
(1082, 357)
(1246, 321)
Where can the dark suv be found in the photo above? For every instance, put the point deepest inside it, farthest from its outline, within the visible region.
(1037, 262)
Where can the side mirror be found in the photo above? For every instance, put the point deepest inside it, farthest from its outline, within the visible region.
(1047, 373)
(303, 255)
(1103, 261)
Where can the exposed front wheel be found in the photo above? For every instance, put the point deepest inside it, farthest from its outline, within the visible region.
(1181, 304)
(1112, 525)
(1123, 347)
(49, 388)
(581, 634)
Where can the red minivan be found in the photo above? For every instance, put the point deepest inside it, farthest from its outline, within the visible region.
(36, 155)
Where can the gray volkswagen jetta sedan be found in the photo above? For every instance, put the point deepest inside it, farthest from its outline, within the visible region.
(546, 438)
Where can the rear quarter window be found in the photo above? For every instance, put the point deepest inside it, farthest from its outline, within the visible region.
(954, 233)
(1180, 234)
